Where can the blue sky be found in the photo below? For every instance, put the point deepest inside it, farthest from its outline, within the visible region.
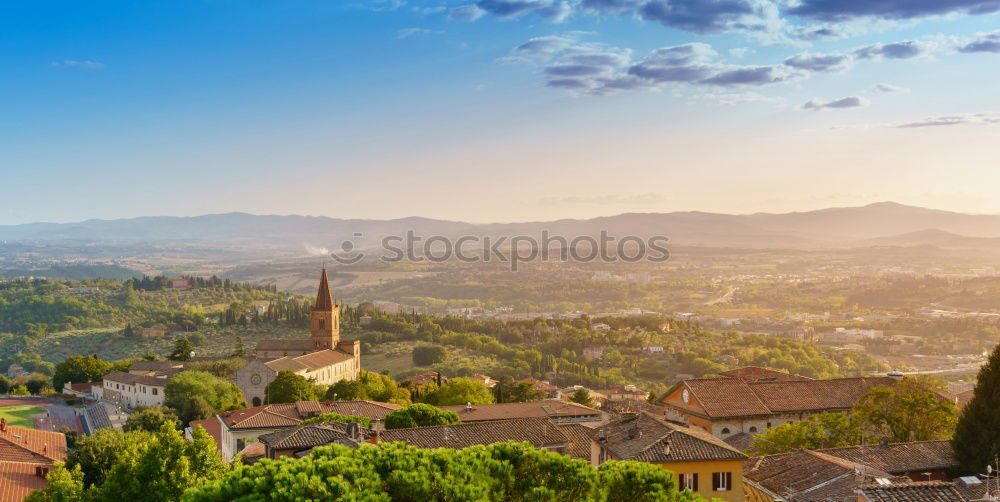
(495, 110)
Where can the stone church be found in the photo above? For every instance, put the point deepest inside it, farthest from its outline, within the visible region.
(324, 358)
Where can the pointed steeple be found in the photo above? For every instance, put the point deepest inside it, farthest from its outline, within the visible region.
(324, 302)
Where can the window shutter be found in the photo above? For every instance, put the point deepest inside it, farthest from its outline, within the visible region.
(729, 480)
(716, 477)
(680, 482)
(694, 480)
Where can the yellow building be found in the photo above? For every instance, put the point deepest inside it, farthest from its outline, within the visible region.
(700, 462)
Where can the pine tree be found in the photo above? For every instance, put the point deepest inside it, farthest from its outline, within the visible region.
(977, 437)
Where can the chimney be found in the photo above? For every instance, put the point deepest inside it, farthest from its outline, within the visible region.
(468, 406)
(373, 439)
(353, 432)
(3, 424)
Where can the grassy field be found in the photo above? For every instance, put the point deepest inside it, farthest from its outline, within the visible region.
(20, 414)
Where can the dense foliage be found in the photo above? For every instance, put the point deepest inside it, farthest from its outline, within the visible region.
(139, 465)
(369, 386)
(196, 395)
(79, 369)
(498, 472)
(977, 435)
(287, 387)
(420, 415)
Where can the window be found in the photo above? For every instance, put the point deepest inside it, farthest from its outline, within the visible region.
(753, 428)
(687, 482)
(155, 391)
(722, 481)
(725, 430)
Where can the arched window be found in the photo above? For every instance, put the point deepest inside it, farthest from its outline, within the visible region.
(322, 323)
(256, 401)
(725, 430)
(753, 429)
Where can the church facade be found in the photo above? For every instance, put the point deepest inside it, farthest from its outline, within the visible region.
(324, 358)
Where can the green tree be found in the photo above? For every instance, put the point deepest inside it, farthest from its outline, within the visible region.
(5, 384)
(427, 354)
(195, 395)
(639, 482)
(162, 468)
(460, 391)
(498, 472)
(96, 455)
(910, 410)
(582, 396)
(420, 415)
(287, 387)
(508, 391)
(826, 430)
(37, 384)
(65, 485)
(79, 369)
(369, 386)
(977, 434)
(150, 418)
(182, 350)
(241, 349)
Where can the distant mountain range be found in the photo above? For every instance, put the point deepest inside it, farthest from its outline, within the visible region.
(880, 224)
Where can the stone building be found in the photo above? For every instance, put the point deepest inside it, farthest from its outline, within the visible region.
(323, 358)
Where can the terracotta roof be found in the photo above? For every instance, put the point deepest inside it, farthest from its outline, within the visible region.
(579, 440)
(741, 441)
(924, 491)
(309, 362)
(272, 416)
(812, 395)
(621, 406)
(537, 431)
(809, 475)
(646, 438)
(324, 301)
(310, 436)
(549, 408)
(21, 444)
(18, 479)
(156, 366)
(726, 397)
(732, 397)
(132, 379)
(757, 374)
(213, 427)
(82, 387)
(900, 458)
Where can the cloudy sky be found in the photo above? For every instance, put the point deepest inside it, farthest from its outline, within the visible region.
(495, 110)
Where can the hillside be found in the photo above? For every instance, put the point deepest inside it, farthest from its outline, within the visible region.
(832, 227)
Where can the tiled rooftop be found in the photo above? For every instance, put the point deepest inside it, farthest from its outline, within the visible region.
(927, 491)
(537, 431)
(271, 416)
(809, 475)
(21, 444)
(729, 397)
(18, 479)
(580, 440)
(898, 458)
(549, 408)
(647, 438)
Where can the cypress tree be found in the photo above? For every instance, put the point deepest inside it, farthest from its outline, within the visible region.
(977, 437)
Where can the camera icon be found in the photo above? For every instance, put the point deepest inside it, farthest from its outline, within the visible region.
(347, 255)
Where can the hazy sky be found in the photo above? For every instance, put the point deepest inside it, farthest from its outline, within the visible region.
(496, 110)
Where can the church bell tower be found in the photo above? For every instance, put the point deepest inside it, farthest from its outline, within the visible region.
(325, 325)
